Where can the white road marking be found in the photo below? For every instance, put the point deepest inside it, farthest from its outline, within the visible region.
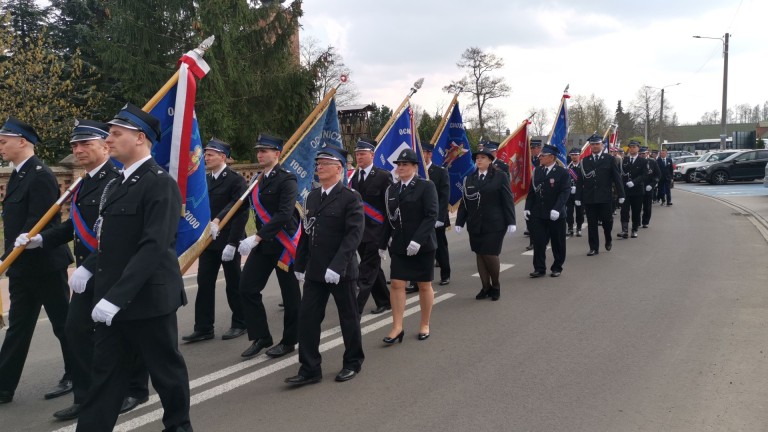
(502, 267)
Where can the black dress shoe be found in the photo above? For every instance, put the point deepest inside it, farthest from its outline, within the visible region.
(622, 234)
(445, 281)
(410, 289)
(6, 396)
(345, 375)
(423, 336)
(69, 413)
(529, 247)
(280, 350)
(233, 333)
(483, 294)
(398, 338)
(537, 274)
(300, 380)
(197, 336)
(131, 402)
(256, 348)
(64, 387)
(494, 293)
(634, 234)
(608, 246)
(381, 309)
(592, 252)
(645, 225)
(555, 274)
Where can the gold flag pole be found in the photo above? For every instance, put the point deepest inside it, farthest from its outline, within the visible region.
(416, 86)
(444, 120)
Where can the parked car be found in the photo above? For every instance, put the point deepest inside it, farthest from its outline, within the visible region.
(684, 159)
(677, 153)
(747, 165)
(765, 179)
(687, 171)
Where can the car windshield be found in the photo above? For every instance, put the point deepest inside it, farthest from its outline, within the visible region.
(716, 157)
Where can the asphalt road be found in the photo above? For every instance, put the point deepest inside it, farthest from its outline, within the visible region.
(666, 332)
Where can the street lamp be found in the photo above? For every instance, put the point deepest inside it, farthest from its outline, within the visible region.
(661, 111)
(724, 40)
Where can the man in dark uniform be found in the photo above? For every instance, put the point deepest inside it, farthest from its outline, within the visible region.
(535, 152)
(598, 172)
(137, 280)
(272, 247)
(634, 171)
(439, 176)
(225, 186)
(326, 262)
(90, 150)
(371, 182)
(571, 207)
(38, 277)
(653, 180)
(545, 209)
(500, 165)
(667, 170)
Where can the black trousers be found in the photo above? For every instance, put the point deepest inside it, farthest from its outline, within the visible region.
(598, 212)
(256, 271)
(80, 338)
(156, 340)
(665, 191)
(205, 302)
(371, 281)
(647, 207)
(28, 293)
(441, 254)
(312, 313)
(633, 204)
(548, 231)
(570, 209)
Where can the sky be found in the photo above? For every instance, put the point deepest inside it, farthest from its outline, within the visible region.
(609, 48)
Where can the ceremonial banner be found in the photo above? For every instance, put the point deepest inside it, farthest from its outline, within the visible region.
(452, 152)
(516, 152)
(401, 135)
(559, 134)
(180, 152)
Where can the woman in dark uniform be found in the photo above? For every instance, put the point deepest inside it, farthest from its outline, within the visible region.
(410, 235)
(489, 211)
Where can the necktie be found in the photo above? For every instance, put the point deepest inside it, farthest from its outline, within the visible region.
(362, 176)
(13, 177)
(323, 196)
(402, 187)
(482, 177)
(631, 160)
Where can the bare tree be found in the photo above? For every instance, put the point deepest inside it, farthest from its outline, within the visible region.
(328, 66)
(478, 82)
(497, 120)
(539, 121)
(588, 114)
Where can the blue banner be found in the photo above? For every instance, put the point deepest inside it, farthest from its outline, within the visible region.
(197, 213)
(301, 159)
(452, 151)
(401, 135)
(560, 132)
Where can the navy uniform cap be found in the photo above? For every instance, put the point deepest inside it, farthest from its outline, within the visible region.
(643, 149)
(492, 146)
(635, 143)
(408, 156)
(428, 147)
(86, 130)
(595, 138)
(269, 142)
(550, 149)
(535, 143)
(333, 153)
(575, 151)
(132, 117)
(219, 146)
(484, 151)
(364, 145)
(654, 151)
(17, 128)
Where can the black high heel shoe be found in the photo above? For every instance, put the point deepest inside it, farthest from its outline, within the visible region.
(398, 338)
(423, 336)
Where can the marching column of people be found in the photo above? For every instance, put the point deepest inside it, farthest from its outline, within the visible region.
(634, 174)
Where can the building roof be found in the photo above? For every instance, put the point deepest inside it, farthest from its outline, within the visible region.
(348, 108)
(688, 133)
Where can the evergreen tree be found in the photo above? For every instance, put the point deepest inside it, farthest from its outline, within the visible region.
(379, 117)
(27, 20)
(625, 122)
(428, 126)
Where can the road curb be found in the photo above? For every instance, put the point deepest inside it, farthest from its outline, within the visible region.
(758, 220)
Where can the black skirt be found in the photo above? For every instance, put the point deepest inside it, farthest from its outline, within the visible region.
(487, 243)
(416, 268)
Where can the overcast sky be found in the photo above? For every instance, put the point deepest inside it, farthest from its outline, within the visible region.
(609, 48)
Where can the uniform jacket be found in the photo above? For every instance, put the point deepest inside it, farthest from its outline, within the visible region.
(502, 166)
(333, 230)
(598, 173)
(28, 196)
(277, 193)
(411, 216)
(548, 191)
(439, 176)
(666, 168)
(488, 205)
(653, 173)
(135, 266)
(637, 173)
(372, 191)
(223, 192)
(574, 171)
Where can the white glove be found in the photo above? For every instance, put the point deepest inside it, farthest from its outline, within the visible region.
(526, 214)
(79, 278)
(648, 188)
(228, 254)
(511, 229)
(554, 215)
(104, 312)
(578, 203)
(214, 228)
(630, 184)
(573, 190)
(439, 224)
(457, 229)
(35, 242)
(247, 244)
(383, 254)
(299, 276)
(621, 200)
(412, 249)
(332, 277)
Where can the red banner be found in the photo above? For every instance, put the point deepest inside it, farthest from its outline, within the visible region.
(516, 152)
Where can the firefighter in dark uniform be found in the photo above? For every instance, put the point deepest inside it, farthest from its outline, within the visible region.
(650, 188)
(225, 186)
(90, 150)
(575, 214)
(137, 284)
(599, 172)
(272, 247)
(545, 208)
(535, 152)
(634, 170)
(38, 278)
(371, 183)
(439, 176)
(326, 261)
